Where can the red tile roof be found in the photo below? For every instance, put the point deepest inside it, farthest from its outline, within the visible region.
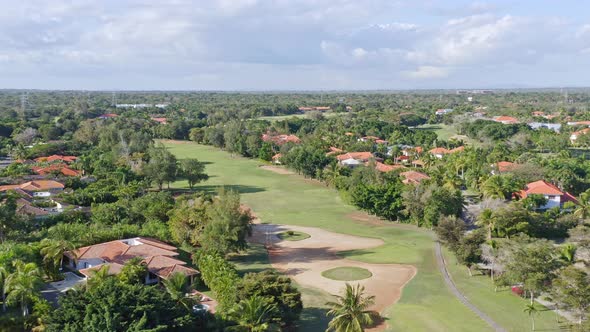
(362, 156)
(109, 115)
(157, 255)
(334, 150)
(277, 156)
(505, 166)
(160, 120)
(56, 157)
(541, 187)
(37, 185)
(505, 119)
(281, 139)
(381, 167)
(439, 151)
(63, 169)
(413, 177)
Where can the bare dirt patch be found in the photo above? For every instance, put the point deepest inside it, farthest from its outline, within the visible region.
(305, 260)
(277, 169)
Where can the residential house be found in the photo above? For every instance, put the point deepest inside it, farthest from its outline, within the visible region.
(334, 150)
(418, 163)
(369, 139)
(556, 127)
(159, 258)
(381, 167)
(108, 116)
(56, 157)
(26, 207)
(555, 197)
(413, 177)
(57, 168)
(443, 111)
(160, 120)
(506, 119)
(578, 123)
(36, 188)
(440, 152)
(276, 159)
(353, 159)
(576, 134)
(281, 139)
(503, 167)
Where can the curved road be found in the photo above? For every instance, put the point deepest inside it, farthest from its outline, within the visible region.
(442, 265)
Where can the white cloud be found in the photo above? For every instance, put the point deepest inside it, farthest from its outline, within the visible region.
(427, 72)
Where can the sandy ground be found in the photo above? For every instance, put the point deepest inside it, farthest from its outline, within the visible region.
(277, 169)
(305, 260)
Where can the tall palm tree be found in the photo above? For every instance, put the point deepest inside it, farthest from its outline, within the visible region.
(350, 312)
(486, 219)
(582, 210)
(98, 276)
(567, 253)
(3, 276)
(531, 310)
(177, 286)
(331, 173)
(493, 187)
(253, 314)
(23, 285)
(53, 253)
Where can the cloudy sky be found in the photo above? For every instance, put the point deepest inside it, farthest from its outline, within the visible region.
(293, 44)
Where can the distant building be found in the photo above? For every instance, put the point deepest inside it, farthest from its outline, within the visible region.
(443, 111)
(506, 119)
(555, 197)
(413, 177)
(556, 127)
(576, 134)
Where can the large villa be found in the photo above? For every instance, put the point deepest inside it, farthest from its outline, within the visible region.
(158, 256)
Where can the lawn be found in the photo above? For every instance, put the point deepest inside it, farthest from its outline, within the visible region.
(426, 303)
(293, 236)
(347, 273)
(445, 132)
(480, 291)
(303, 116)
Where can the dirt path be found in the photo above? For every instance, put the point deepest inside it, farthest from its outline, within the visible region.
(442, 265)
(305, 260)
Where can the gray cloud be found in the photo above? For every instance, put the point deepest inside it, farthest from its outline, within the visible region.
(283, 44)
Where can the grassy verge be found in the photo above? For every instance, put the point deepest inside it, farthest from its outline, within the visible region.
(503, 307)
(426, 304)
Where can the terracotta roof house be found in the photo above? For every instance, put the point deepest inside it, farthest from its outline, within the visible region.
(61, 168)
(418, 163)
(381, 167)
(37, 188)
(369, 138)
(334, 150)
(413, 177)
(555, 197)
(576, 134)
(506, 119)
(503, 167)
(56, 157)
(281, 139)
(24, 207)
(158, 256)
(578, 123)
(160, 120)
(361, 156)
(538, 113)
(276, 159)
(440, 152)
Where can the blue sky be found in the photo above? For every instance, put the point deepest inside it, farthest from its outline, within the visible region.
(293, 44)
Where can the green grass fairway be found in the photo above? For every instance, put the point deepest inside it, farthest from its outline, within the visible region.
(293, 236)
(302, 116)
(426, 303)
(347, 273)
(503, 307)
(445, 132)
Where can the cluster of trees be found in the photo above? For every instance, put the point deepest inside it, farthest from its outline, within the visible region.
(257, 301)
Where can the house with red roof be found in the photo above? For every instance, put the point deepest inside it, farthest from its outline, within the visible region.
(281, 139)
(108, 116)
(276, 159)
(160, 258)
(57, 168)
(440, 152)
(503, 167)
(160, 120)
(384, 168)
(576, 134)
(413, 177)
(506, 119)
(36, 188)
(56, 157)
(354, 159)
(555, 197)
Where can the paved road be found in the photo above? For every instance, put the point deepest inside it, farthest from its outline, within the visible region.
(442, 265)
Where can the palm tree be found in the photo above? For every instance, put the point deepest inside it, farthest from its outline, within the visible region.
(531, 310)
(3, 276)
(567, 253)
(253, 314)
(177, 286)
(331, 174)
(98, 276)
(53, 253)
(486, 219)
(493, 187)
(23, 285)
(582, 210)
(350, 312)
